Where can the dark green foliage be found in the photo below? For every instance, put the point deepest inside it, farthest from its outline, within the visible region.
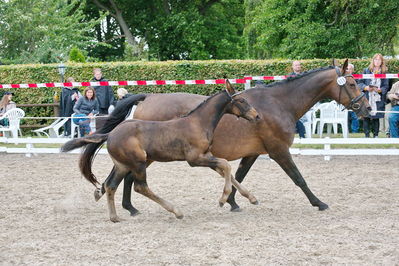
(76, 55)
(320, 29)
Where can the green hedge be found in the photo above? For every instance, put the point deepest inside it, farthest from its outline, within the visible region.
(169, 70)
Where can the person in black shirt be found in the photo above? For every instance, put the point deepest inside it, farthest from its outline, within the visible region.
(68, 98)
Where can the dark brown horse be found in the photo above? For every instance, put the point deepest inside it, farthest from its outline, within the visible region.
(279, 104)
(135, 144)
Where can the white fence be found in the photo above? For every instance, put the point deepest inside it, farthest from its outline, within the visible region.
(327, 151)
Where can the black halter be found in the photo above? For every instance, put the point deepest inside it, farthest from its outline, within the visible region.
(353, 105)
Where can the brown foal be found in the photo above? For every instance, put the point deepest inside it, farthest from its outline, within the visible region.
(135, 144)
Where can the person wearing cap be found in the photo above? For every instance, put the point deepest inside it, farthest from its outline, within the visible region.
(6, 104)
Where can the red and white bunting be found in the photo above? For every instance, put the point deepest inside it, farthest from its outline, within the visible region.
(171, 82)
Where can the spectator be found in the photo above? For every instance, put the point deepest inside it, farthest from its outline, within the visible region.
(105, 95)
(393, 118)
(300, 128)
(85, 108)
(69, 96)
(352, 117)
(122, 93)
(6, 104)
(375, 90)
(296, 67)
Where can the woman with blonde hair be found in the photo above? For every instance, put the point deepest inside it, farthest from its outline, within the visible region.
(6, 104)
(375, 90)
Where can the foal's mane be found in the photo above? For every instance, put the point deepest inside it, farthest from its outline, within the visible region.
(201, 104)
(296, 77)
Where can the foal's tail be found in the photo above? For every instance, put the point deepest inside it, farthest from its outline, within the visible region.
(93, 142)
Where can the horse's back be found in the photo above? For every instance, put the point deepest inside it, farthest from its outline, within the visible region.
(167, 106)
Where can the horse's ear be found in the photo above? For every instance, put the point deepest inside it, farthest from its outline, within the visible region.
(229, 88)
(344, 67)
(335, 62)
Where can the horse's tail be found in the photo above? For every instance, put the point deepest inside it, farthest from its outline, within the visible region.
(92, 143)
(120, 112)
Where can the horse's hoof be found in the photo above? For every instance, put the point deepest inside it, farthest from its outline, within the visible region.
(221, 204)
(115, 219)
(179, 216)
(238, 209)
(97, 194)
(134, 212)
(323, 206)
(255, 202)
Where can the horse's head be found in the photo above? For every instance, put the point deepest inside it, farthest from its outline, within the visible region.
(239, 106)
(348, 92)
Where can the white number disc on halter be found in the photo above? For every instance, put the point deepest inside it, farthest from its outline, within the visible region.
(341, 81)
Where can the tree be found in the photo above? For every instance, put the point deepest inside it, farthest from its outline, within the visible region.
(42, 31)
(320, 29)
(174, 29)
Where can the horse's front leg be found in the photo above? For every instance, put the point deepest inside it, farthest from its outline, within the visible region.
(284, 159)
(219, 165)
(245, 164)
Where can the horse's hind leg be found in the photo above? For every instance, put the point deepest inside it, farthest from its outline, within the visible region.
(284, 159)
(110, 186)
(100, 191)
(127, 192)
(141, 186)
(245, 164)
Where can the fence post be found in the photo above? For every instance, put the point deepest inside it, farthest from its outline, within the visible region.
(247, 84)
(327, 147)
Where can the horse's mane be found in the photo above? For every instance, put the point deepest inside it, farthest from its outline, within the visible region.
(201, 104)
(296, 77)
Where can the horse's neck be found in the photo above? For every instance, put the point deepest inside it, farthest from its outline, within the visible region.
(304, 93)
(210, 112)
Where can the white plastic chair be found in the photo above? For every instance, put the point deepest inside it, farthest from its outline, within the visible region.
(316, 120)
(308, 124)
(53, 130)
(75, 127)
(331, 114)
(131, 113)
(14, 118)
(341, 117)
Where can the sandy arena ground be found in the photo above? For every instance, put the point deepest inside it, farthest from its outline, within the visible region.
(49, 216)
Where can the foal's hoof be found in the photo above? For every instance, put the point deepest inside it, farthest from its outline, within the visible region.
(179, 216)
(97, 194)
(255, 202)
(115, 219)
(323, 206)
